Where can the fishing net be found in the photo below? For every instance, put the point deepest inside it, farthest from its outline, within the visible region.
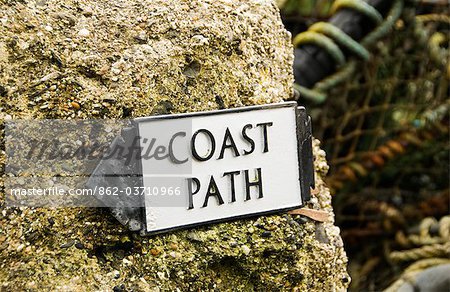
(384, 123)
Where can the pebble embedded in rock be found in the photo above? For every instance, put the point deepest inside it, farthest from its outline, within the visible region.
(115, 71)
(119, 288)
(127, 262)
(79, 245)
(193, 236)
(163, 107)
(154, 252)
(220, 103)
(141, 38)
(67, 244)
(293, 223)
(75, 105)
(266, 234)
(259, 225)
(199, 40)
(3, 90)
(20, 247)
(116, 274)
(321, 234)
(174, 254)
(301, 219)
(192, 69)
(233, 244)
(245, 249)
(84, 32)
(41, 3)
(87, 11)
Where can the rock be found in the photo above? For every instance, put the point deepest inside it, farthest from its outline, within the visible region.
(193, 236)
(67, 244)
(20, 247)
(79, 245)
(192, 69)
(119, 288)
(199, 40)
(116, 274)
(245, 249)
(87, 11)
(321, 235)
(141, 38)
(75, 105)
(163, 107)
(199, 55)
(84, 32)
(3, 90)
(155, 251)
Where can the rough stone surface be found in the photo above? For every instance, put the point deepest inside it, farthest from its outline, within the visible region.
(121, 59)
(91, 59)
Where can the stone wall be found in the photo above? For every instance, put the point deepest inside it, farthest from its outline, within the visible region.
(124, 59)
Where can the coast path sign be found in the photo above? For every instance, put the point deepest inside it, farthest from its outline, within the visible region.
(208, 167)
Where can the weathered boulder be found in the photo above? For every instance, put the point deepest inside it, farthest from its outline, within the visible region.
(133, 58)
(120, 59)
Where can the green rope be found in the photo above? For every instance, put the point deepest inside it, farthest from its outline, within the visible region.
(333, 80)
(384, 28)
(341, 37)
(323, 42)
(310, 94)
(359, 6)
(316, 35)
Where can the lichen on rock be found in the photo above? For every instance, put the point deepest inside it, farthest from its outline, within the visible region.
(123, 59)
(119, 59)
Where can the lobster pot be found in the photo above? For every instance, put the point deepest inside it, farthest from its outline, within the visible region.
(384, 124)
(384, 121)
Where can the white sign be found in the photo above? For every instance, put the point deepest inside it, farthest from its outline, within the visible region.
(211, 166)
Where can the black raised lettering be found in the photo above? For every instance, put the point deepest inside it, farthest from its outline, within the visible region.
(213, 191)
(248, 139)
(256, 183)
(228, 138)
(231, 174)
(265, 138)
(192, 193)
(213, 145)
